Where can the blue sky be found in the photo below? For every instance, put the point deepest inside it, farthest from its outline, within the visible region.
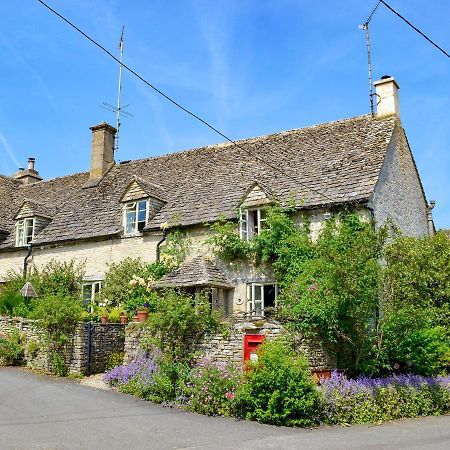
(250, 67)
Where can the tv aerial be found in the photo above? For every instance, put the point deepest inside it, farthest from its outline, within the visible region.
(119, 109)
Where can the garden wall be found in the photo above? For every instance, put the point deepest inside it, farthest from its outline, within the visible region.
(229, 346)
(105, 341)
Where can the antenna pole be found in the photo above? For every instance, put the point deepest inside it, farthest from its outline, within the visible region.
(369, 65)
(116, 146)
(365, 27)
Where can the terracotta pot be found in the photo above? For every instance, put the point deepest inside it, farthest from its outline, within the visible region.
(104, 320)
(142, 316)
(123, 318)
(136, 318)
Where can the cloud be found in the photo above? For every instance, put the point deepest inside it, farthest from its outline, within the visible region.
(9, 151)
(215, 25)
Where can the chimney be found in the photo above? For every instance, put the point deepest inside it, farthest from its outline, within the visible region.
(28, 175)
(102, 150)
(386, 94)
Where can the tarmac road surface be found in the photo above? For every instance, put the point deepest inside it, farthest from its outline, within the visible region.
(39, 412)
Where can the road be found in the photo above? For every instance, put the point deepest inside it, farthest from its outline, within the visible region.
(38, 412)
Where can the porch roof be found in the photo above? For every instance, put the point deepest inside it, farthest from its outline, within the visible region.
(198, 272)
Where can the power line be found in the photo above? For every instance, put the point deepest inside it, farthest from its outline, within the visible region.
(415, 28)
(178, 105)
(369, 18)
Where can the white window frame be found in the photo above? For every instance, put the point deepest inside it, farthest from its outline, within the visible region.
(255, 297)
(96, 287)
(129, 207)
(24, 238)
(247, 226)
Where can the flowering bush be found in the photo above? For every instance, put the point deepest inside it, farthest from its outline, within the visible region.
(136, 378)
(150, 377)
(211, 387)
(365, 400)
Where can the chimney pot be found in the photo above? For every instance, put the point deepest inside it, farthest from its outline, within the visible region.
(31, 162)
(386, 94)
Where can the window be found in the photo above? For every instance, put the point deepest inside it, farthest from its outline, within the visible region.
(24, 232)
(261, 296)
(89, 292)
(135, 216)
(251, 222)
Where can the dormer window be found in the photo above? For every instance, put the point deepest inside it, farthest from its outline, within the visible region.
(251, 222)
(24, 232)
(135, 216)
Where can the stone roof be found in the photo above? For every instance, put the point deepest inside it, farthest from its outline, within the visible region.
(331, 163)
(199, 272)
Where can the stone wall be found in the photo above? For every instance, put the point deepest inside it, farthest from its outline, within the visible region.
(105, 341)
(229, 346)
(398, 194)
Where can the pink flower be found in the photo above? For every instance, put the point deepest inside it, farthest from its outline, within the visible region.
(229, 395)
(313, 287)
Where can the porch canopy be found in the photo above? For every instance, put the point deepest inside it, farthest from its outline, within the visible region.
(198, 272)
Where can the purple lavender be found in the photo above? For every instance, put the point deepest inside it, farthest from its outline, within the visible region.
(366, 399)
(144, 367)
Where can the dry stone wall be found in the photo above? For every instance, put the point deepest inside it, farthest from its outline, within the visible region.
(229, 346)
(105, 341)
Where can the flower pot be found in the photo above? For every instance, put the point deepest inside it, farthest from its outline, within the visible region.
(142, 316)
(123, 318)
(104, 320)
(135, 318)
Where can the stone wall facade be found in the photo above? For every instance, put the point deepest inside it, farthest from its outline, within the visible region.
(229, 346)
(399, 195)
(105, 341)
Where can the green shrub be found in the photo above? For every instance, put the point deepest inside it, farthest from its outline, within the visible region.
(178, 320)
(278, 388)
(13, 304)
(58, 317)
(11, 350)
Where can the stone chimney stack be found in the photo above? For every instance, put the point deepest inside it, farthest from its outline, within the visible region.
(102, 150)
(386, 96)
(29, 175)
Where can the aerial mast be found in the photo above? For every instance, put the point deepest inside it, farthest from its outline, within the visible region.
(365, 27)
(116, 144)
(119, 110)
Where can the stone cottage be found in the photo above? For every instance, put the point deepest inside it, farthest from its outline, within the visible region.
(118, 210)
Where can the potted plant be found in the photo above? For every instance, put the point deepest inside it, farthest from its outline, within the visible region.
(143, 312)
(123, 318)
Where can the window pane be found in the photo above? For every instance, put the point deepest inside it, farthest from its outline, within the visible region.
(130, 221)
(249, 298)
(243, 224)
(258, 293)
(142, 215)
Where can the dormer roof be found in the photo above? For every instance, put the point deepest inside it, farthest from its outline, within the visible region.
(32, 208)
(139, 188)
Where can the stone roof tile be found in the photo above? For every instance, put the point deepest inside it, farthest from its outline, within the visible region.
(326, 164)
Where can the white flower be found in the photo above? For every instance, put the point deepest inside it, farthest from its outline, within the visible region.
(133, 282)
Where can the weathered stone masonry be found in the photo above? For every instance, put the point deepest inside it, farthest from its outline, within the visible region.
(229, 347)
(105, 341)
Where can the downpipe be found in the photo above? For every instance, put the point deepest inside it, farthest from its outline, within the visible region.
(158, 246)
(25, 261)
